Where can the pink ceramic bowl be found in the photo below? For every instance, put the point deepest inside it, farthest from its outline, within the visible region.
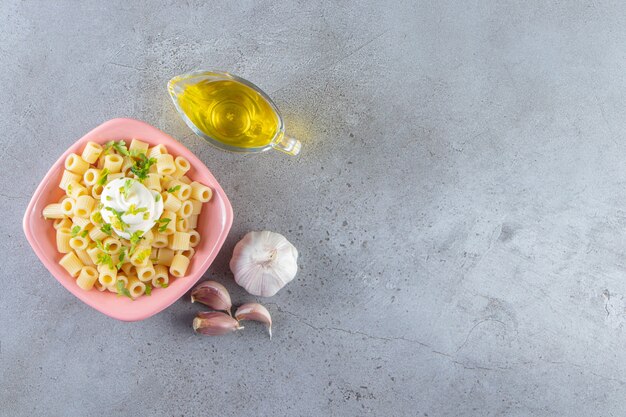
(213, 225)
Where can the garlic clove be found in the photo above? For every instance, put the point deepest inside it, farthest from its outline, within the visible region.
(264, 262)
(214, 323)
(256, 312)
(212, 294)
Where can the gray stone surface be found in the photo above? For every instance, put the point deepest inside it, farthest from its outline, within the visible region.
(459, 206)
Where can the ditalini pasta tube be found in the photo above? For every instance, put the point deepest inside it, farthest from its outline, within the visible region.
(53, 211)
(91, 152)
(71, 263)
(180, 263)
(136, 287)
(179, 241)
(161, 277)
(145, 273)
(200, 192)
(76, 164)
(87, 277)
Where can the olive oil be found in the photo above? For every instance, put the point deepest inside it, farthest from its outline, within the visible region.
(230, 112)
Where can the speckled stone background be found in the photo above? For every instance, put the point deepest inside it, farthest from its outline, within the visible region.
(459, 207)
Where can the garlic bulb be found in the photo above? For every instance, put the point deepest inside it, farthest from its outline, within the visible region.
(264, 262)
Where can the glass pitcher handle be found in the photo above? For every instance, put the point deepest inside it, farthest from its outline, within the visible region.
(288, 145)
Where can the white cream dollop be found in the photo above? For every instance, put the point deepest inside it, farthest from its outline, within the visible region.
(137, 196)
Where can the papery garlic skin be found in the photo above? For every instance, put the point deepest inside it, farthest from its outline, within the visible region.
(214, 323)
(264, 262)
(255, 312)
(213, 295)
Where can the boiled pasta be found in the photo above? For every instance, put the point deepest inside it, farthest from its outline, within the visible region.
(179, 265)
(84, 206)
(113, 163)
(76, 164)
(95, 249)
(64, 235)
(200, 192)
(179, 241)
(91, 152)
(53, 211)
(67, 178)
(71, 263)
(87, 277)
(146, 272)
(156, 151)
(165, 164)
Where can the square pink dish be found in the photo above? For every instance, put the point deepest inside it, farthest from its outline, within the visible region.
(213, 224)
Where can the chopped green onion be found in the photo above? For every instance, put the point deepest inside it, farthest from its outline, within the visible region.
(121, 257)
(134, 239)
(104, 174)
(173, 189)
(133, 210)
(143, 255)
(118, 222)
(120, 147)
(163, 224)
(126, 188)
(141, 168)
(106, 228)
(122, 290)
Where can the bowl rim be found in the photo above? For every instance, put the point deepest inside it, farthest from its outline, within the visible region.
(160, 303)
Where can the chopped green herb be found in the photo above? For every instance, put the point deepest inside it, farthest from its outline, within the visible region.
(146, 216)
(122, 290)
(121, 257)
(120, 147)
(104, 174)
(126, 188)
(84, 234)
(97, 217)
(105, 259)
(143, 255)
(163, 224)
(163, 285)
(118, 222)
(134, 210)
(148, 289)
(134, 239)
(75, 230)
(99, 245)
(109, 198)
(136, 152)
(107, 147)
(157, 197)
(69, 188)
(106, 228)
(141, 168)
(173, 189)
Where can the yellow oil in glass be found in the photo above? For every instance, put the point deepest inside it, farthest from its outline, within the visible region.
(230, 112)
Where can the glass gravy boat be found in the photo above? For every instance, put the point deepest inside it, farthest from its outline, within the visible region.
(230, 113)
